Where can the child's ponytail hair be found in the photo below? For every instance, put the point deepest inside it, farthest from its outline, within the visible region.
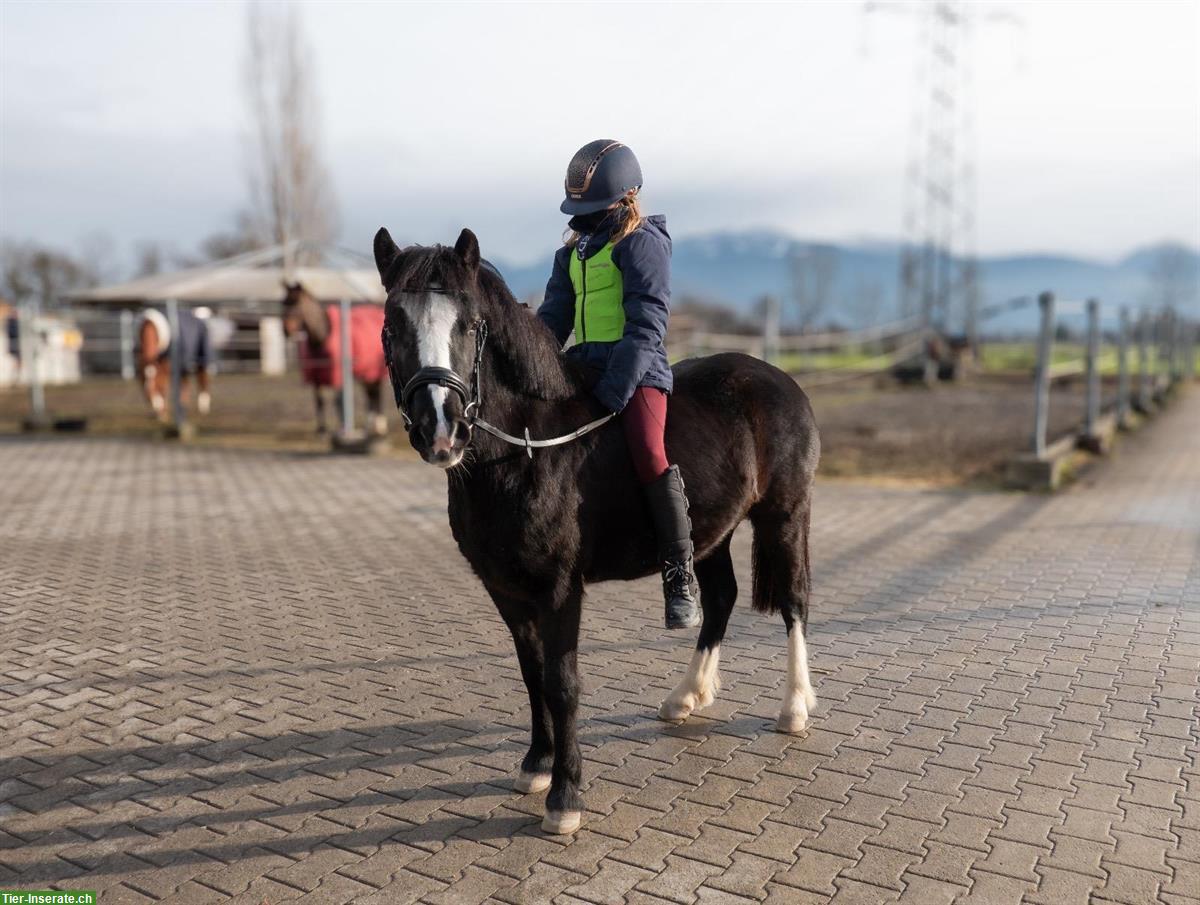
(631, 217)
(630, 214)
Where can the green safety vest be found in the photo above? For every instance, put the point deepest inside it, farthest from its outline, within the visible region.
(599, 297)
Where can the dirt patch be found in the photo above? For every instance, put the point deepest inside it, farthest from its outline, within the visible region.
(949, 434)
(248, 412)
(958, 433)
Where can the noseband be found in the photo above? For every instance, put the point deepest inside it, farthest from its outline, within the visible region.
(468, 393)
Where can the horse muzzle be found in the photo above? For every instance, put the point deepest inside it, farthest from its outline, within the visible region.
(442, 444)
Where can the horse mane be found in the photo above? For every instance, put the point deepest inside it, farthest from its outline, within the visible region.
(523, 354)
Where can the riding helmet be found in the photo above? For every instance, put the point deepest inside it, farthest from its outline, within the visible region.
(601, 173)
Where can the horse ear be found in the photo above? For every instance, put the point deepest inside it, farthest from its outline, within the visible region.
(467, 249)
(385, 250)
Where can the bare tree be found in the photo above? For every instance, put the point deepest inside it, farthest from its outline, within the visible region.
(713, 316)
(35, 273)
(811, 269)
(239, 240)
(149, 257)
(292, 198)
(1173, 278)
(866, 301)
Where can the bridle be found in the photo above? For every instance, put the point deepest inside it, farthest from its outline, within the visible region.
(467, 390)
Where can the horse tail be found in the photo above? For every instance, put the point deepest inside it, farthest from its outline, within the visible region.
(782, 578)
(782, 514)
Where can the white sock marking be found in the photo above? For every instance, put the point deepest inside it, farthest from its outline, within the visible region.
(799, 699)
(698, 687)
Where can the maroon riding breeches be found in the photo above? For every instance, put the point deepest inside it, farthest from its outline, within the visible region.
(644, 420)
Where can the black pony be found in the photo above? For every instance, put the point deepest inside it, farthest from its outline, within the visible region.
(536, 526)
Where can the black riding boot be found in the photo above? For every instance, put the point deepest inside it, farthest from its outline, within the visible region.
(669, 507)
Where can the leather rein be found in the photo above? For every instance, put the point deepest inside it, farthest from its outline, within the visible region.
(469, 393)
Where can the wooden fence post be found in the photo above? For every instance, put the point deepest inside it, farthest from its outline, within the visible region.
(1190, 366)
(1091, 414)
(1160, 355)
(1123, 401)
(770, 337)
(1143, 402)
(1041, 374)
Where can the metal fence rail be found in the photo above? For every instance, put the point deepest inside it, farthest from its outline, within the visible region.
(1173, 338)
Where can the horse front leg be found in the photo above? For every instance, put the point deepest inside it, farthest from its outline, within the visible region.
(558, 626)
(522, 621)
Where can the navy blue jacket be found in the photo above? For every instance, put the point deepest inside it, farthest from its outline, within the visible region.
(639, 357)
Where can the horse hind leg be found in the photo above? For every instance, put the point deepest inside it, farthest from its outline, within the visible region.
(782, 581)
(701, 682)
(204, 394)
(161, 383)
(319, 404)
(376, 421)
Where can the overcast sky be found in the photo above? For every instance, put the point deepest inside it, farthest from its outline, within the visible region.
(127, 118)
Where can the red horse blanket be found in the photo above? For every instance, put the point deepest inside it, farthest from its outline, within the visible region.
(324, 369)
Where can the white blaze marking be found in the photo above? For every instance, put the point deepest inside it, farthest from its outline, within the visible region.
(435, 318)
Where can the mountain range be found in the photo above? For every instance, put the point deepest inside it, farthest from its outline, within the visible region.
(736, 269)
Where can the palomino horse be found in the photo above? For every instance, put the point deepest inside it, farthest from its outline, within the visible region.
(154, 359)
(320, 352)
(537, 526)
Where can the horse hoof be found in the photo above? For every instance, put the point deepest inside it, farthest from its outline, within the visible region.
(792, 723)
(561, 823)
(675, 711)
(532, 782)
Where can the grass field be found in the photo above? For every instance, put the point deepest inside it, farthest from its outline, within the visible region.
(998, 357)
(1021, 356)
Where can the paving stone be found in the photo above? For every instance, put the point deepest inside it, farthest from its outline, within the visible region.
(248, 677)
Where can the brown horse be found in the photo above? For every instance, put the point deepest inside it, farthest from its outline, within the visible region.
(320, 351)
(154, 359)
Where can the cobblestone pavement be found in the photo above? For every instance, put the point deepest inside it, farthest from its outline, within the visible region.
(263, 678)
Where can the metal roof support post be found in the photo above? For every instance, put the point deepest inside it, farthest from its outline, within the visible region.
(31, 362)
(178, 415)
(127, 365)
(347, 372)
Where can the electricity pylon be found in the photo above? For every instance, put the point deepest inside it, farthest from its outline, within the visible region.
(938, 271)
